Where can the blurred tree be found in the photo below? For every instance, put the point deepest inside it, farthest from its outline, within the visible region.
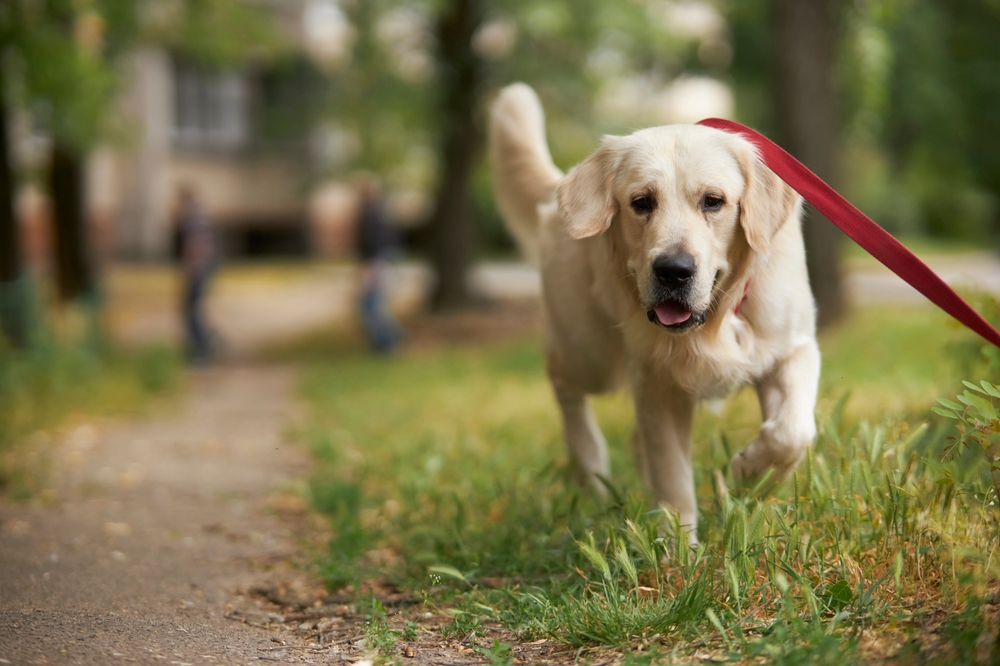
(417, 87)
(58, 61)
(785, 65)
(462, 75)
(75, 271)
(66, 56)
(13, 303)
(804, 42)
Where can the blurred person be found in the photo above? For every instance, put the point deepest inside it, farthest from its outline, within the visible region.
(377, 245)
(198, 253)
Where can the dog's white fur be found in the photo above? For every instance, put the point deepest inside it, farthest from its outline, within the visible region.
(595, 251)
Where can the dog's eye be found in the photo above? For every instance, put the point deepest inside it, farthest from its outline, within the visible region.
(643, 205)
(712, 202)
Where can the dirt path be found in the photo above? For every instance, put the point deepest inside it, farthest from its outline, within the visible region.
(157, 530)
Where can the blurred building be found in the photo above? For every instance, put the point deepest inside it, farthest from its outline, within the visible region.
(239, 137)
(253, 142)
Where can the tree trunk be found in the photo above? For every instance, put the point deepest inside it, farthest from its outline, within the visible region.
(453, 225)
(804, 42)
(74, 269)
(13, 305)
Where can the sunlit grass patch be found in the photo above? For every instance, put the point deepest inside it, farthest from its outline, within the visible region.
(922, 246)
(55, 381)
(890, 359)
(447, 469)
(67, 370)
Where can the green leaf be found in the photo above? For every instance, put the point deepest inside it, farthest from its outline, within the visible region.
(837, 619)
(838, 595)
(973, 386)
(595, 556)
(641, 542)
(625, 562)
(449, 571)
(985, 407)
(950, 404)
(992, 389)
(944, 412)
(714, 619)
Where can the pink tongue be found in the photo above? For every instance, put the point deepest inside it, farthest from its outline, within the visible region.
(670, 314)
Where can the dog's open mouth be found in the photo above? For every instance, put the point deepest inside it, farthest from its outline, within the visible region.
(675, 316)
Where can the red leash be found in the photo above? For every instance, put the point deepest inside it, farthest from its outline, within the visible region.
(861, 229)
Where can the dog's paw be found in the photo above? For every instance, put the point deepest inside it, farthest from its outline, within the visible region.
(755, 469)
(771, 457)
(746, 472)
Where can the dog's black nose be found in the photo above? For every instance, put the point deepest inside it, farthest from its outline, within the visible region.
(674, 271)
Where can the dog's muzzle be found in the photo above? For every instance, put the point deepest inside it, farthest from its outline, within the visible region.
(673, 275)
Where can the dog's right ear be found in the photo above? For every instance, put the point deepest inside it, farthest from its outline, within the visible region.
(586, 196)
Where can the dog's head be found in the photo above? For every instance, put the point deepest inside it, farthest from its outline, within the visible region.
(687, 205)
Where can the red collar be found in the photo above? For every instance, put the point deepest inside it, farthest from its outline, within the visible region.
(746, 288)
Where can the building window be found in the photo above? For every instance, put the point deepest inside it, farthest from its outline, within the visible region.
(212, 108)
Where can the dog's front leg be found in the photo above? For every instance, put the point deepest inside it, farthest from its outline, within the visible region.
(663, 415)
(787, 397)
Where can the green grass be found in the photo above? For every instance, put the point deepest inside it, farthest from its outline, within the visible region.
(444, 473)
(924, 246)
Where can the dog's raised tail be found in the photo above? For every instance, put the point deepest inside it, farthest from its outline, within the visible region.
(523, 173)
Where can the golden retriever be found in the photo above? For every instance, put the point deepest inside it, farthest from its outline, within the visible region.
(671, 258)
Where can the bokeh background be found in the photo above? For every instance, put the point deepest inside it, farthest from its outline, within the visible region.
(270, 110)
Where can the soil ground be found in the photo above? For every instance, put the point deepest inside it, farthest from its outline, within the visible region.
(155, 529)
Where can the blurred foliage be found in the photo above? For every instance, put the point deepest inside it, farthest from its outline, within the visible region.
(383, 112)
(975, 357)
(52, 62)
(219, 33)
(65, 60)
(380, 110)
(919, 105)
(978, 431)
(918, 91)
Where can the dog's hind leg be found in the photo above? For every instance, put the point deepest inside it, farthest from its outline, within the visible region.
(641, 458)
(588, 451)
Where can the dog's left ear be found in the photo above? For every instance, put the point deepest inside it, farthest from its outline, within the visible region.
(766, 204)
(586, 194)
